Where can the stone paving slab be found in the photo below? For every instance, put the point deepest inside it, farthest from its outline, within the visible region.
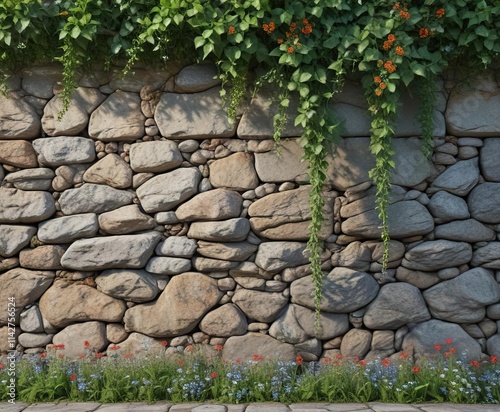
(210, 408)
(267, 407)
(451, 407)
(63, 407)
(17, 407)
(135, 406)
(384, 407)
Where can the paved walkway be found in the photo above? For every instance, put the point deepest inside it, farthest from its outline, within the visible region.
(254, 407)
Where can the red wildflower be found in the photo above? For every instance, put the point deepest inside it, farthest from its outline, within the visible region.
(424, 32)
(440, 13)
(391, 38)
(42, 355)
(447, 354)
(218, 347)
(213, 375)
(164, 343)
(404, 14)
(293, 26)
(180, 362)
(257, 357)
(189, 348)
(453, 350)
(86, 344)
(238, 360)
(403, 355)
(362, 363)
(386, 362)
(72, 377)
(326, 359)
(99, 355)
(307, 29)
(81, 356)
(494, 359)
(2, 366)
(299, 359)
(437, 346)
(475, 363)
(114, 347)
(416, 369)
(387, 45)
(448, 341)
(305, 21)
(231, 30)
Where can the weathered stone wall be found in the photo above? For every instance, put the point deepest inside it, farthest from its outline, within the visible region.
(144, 216)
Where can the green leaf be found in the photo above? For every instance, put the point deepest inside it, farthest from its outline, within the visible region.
(75, 32)
(363, 45)
(304, 77)
(391, 87)
(207, 49)
(199, 41)
(482, 31)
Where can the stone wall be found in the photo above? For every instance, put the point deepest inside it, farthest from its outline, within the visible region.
(143, 219)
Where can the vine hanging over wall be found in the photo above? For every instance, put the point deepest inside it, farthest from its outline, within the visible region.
(306, 46)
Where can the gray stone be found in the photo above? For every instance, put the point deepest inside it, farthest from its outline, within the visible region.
(129, 285)
(156, 156)
(31, 320)
(44, 257)
(126, 219)
(196, 78)
(225, 321)
(422, 338)
(236, 251)
(177, 246)
(463, 299)
(458, 179)
(421, 280)
(437, 254)
(356, 256)
(473, 111)
(366, 200)
(18, 119)
(187, 115)
(13, 238)
(344, 291)
(34, 340)
(183, 303)
(447, 207)
(287, 215)
(62, 150)
(257, 119)
(273, 257)
(283, 164)
(487, 256)
(18, 206)
(396, 304)
(31, 179)
(74, 338)
(202, 264)
(331, 324)
(137, 345)
(120, 252)
(144, 79)
(92, 198)
(356, 343)
(412, 167)
(235, 172)
(259, 306)
(111, 170)
(232, 230)
(68, 228)
(218, 204)
(25, 286)
(165, 191)
(168, 265)
(488, 160)
(469, 230)
(76, 118)
(245, 347)
(483, 202)
(119, 118)
(67, 176)
(18, 153)
(286, 328)
(65, 303)
(39, 81)
(493, 345)
(405, 219)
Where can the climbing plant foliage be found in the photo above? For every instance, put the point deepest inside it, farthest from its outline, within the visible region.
(306, 47)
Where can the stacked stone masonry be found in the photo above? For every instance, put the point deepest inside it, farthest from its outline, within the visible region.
(143, 216)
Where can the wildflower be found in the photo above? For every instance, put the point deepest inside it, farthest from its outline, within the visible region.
(391, 38)
(2, 366)
(363, 362)
(404, 14)
(339, 356)
(99, 355)
(180, 362)
(86, 344)
(42, 355)
(238, 360)
(281, 41)
(437, 346)
(387, 45)
(378, 92)
(72, 377)
(493, 359)
(448, 341)
(447, 354)
(81, 356)
(400, 51)
(114, 347)
(475, 363)
(299, 359)
(424, 32)
(213, 375)
(288, 34)
(383, 86)
(453, 350)
(305, 21)
(402, 355)
(391, 68)
(269, 28)
(440, 13)
(189, 348)
(307, 29)
(63, 13)
(290, 49)
(134, 383)
(265, 27)
(231, 30)
(299, 45)
(164, 343)
(60, 356)
(293, 26)
(385, 362)
(218, 347)
(416, 369)
(396, 6)
(326, 359)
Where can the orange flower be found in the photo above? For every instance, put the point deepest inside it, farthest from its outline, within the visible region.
(72, 377)
(391, 68)
(299, 359)
(440, 13)
(307, 29)
(437, 347)
(416, 369)
(424, 32)
(305, 21)
(447, 354)
(114, 347)
(391, 38)
(339, 356)
(400, 51)
(257, 357)
(2, 366)
(288, 34)
(265, 27)
(378, 92)
(280, 41)
(387, 45)
(164, 343)
(180, 362)
(42, 355)
(404, 14)
(213, 375)
(453, 350)
(290, 49)
(238, 360)
(231, 30)
(448, 341)
(272, 27)
(86, 344)
(326, 359)
(475, 363)
(403, 355)
(494, 359)
(218, 347)
(189, 348)
(386, 362)
(293, 26)
(362, 363)
(396, 6)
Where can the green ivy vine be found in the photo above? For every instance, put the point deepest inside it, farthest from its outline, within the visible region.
(306, 47)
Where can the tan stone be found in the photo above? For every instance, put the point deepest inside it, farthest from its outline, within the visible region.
(126, 219)
(111, 170)
(218, 204)
(74, 337)
(356, 342)
(45, 257)
(18, 119)
(260, 306)
(18, 153)
(234, 172)
(228, 320)
(245, 347)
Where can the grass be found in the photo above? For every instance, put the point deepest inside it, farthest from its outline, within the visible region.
(193, 377)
